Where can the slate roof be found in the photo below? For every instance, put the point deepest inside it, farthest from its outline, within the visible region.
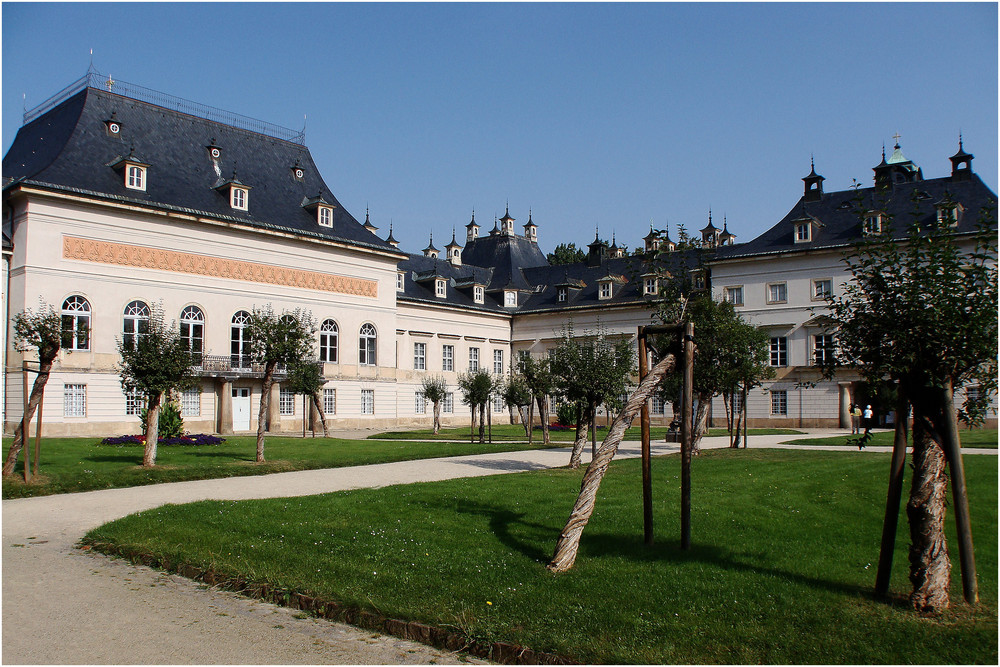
(507, 256)
(70, 149)
(840, 223)
(419, 287)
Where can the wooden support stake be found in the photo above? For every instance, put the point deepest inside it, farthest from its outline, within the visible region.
(891, 520)
(38, 432)
(25, 424)
(953, 452)
(687, 406)
(647, 478)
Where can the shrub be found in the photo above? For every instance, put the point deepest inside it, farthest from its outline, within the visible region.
(170, 425)
(566, 414)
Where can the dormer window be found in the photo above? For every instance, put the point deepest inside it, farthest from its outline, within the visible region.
(478, 294)
(649, 285)
(135, 177)
(298, 173)
(440, 288)
(509, 299)
(803, 231)
(324, 216)
(239, 197)
(948, 214)
(400, 281)
(114, 129)
(698, 278)
(561, 294)
(604, 290)
(874, 223)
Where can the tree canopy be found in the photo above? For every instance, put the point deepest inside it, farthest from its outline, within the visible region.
(566, 253)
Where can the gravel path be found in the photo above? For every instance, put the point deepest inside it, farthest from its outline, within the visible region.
(62, 605)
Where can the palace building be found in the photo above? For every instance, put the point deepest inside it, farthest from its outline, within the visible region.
(118, 201)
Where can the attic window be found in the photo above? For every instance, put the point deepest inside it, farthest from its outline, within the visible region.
(949, 214)
(324, 216)
(440, 288)
(135, 177)
(114, 129)
(298, 173)
(214, 152)
(509, 299)
(478, 294)
(649, 285)
(400, 281)
(874, 223)
(239, 197)
(803, 231)
(561, 294)
(605, 290)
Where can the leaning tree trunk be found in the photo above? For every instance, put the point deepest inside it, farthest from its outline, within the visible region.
(569, 540)
(582, 423)
(543, 412)
(37, 389)
(437, 417)
(525, 420)
(152, 429)
(530, 428)
(318, 404)
(265, 403)
(930, 567)
(700, 422)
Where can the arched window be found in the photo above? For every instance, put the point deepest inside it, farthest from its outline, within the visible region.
(328, 339)
(136, 323)
(367, 344)
(76, 323)
(193, 332)
(240, 348)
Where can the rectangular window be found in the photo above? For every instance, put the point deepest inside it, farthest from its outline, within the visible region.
(74, 400)
(822, 289)
(803, 232)
(649, 285)
(498, 362)
(509, 299)
(561, 294)
(135, 401)
(325, 216)
(399, 282)
(136, 179)
(191, 402)
(420, 403)
(823, 351)
(779, 351)
(478, 293)
(658, 407)
(440, 288)
(605, 290)
(448, 358)
(779, 402)
(873, 223)
(420, 356)
(238, 198)
(777, 293)
(498, 405)
(473, 358)
(448, 404)
(734, 295)
(286, 402)
(367, 401)
(330, 401)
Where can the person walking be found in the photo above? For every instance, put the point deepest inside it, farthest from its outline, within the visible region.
(867, 416)
(855, 419)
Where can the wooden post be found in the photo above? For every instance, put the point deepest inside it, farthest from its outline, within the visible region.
(891, 520)
(25, 423)
(686, 434)
(953, 452)
(38, 432)
(647, 478)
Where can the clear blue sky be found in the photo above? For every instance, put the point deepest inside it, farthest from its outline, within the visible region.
(609, 115)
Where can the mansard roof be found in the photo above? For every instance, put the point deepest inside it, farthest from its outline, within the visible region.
(419, 288)
(840, 214)
(508, 256)
(70, 149)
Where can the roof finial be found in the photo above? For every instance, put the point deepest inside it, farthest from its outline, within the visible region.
(960, 147)
(896, 137)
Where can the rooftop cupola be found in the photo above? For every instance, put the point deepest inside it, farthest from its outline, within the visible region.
(430, 250)
(368, 223)
(726, 237)
(961, 163)
(598, 251)
(614, 251)
(813, 184)
(652, 240)
(454, 251)
(710, 233)
(390, 239)
(472, 229)
(496, 227)
(507, 223)
(531, 229)
(896, 169)
(668, 245)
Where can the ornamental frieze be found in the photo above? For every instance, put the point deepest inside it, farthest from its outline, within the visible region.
(89, 250)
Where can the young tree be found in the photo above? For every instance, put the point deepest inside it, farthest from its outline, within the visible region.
(41, 331)
(477, 387)
(537, 375)
(516, 394)
(566, 253)
(589, 370)
(154, 362)
(305, 376)
(435, 390)
(275, 340)
(921, 313)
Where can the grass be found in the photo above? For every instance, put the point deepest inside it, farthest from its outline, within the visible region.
(974, 438)
(781, 569)
(83, 464)
(508, 432)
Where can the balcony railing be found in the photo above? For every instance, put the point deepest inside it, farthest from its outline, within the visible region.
(234, 364)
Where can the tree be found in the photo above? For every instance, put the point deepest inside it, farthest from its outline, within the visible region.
(41, 331)
(732, 356)
(305, 376)
(920, 313)
(275, 340)
(566, 253)
(589, 370)
(517, 394)
(154, 362)
(435, 390)
(538, 377)
(477, 387)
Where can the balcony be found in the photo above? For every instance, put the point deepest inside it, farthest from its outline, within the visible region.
(231, 366)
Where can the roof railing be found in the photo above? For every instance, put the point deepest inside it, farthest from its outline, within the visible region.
(94, 79)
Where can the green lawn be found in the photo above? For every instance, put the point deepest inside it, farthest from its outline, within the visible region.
(82, 464)
(984, 438)
(785, 546)
(503, 432)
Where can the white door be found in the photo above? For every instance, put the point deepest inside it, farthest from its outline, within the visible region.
(241, 409)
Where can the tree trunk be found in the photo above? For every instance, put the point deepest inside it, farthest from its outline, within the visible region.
(543, 412)
(582, 422)
(152, 429)
(37, 389)
(930, 567)
(437, 417)
(593, 430)
(525, 421)
(530, 428)
(700, 422)
(737, 424)
(482, 423)
(746, 416)
(569, 540)
(318, 404)
(265, 403)
(510, 411)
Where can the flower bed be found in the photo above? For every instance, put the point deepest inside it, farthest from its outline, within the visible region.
(191, 439)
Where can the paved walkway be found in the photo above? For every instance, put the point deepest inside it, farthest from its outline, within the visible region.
(65, 606)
